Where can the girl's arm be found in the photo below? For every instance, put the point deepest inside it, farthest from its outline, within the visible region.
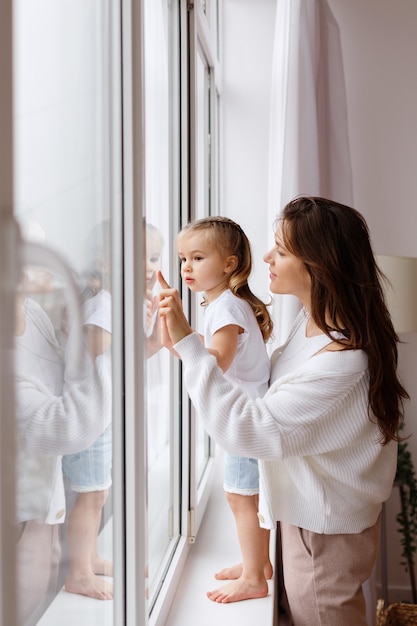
(98, 340)
(224, 345)
(174, 326)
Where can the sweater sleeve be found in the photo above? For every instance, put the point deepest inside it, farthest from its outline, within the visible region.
(319, 408)
(57, 425)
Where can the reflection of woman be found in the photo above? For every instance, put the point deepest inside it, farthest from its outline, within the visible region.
(50, 422)
(326, 430)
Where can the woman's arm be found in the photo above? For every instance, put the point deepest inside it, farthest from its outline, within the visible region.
(315, 410)
(69, 423)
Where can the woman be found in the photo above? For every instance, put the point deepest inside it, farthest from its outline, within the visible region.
(326, 431)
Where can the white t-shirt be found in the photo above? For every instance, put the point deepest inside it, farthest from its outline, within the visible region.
(97, 310)
(250, 367)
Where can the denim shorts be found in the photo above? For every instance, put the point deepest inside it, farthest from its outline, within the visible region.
(241, 475)
(90, 470)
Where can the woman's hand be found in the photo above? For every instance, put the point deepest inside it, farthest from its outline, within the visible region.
(174, 325)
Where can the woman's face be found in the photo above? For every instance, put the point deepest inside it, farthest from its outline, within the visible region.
(287, 272)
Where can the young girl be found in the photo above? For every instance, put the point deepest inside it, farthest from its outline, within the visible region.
(216, 259)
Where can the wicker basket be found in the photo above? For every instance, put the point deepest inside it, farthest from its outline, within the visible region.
(398, 614)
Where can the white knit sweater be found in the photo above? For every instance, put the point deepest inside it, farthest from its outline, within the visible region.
(51, 420)
(321, 465)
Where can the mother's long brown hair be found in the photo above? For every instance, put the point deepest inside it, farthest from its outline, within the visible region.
(334, 244)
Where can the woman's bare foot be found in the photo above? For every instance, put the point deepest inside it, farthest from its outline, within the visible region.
(89, 585)
(235, 572)
(102, 567)
(240, 589)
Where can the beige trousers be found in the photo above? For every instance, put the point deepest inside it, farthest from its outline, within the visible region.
(323, 575)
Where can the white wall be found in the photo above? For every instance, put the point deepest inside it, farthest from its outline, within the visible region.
(380, 53)
(379, 46)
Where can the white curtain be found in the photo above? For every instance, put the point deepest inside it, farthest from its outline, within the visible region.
(309, 145)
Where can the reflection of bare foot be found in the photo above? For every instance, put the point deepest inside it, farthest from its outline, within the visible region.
(235, 572)
(103, 567)
(240, 589)
(90, 585)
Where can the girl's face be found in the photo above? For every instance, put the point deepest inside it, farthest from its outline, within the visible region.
(203, 267)
(287, 272)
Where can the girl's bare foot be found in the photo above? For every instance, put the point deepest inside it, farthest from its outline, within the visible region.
(89, 585)
(102, 567)
(235, 572)
(240, 589)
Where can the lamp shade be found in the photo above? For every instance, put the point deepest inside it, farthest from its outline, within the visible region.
(401, 293)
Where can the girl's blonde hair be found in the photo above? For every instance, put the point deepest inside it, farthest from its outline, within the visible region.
(230, 240)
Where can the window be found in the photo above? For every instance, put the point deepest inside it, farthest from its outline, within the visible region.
(162, 161)
(68, 203)
(180, 116)
(114, 148)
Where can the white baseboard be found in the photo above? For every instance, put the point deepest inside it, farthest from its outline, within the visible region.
(396, 593)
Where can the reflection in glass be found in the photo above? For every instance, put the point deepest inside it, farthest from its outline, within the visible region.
(203, 209)
(159, 85)
(53, 418)
(88, 472)
(40, 499)
(63, 169)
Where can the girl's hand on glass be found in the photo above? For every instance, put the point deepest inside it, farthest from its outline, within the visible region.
(174, 325)
(151, 306)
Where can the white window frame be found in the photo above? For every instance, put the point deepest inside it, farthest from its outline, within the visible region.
(195, 34)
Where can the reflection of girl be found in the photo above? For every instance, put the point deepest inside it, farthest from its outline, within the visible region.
(157, 392)
(89, 471)
(51, 421)
(216, 258)
(154, 244)
(326, 430)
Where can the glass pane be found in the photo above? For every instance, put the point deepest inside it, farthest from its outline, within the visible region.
(161, 110)
(66, 192)
(202, 209)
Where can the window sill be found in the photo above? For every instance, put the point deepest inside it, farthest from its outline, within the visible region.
(216, 546)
